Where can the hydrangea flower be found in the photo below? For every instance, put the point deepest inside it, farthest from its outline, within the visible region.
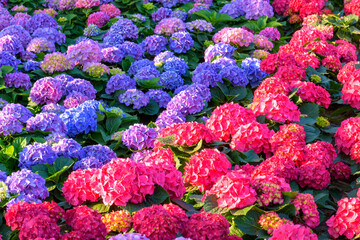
(110, 10)
(124, 27)
(161, 14)
(81, 86)
(132, 49)
(270, 221)
(170, 80)
(88, 163)
(186, 102)
(134, 97)
(117, 221)
(120, 81)
(95, 70)
(181, 42)
(179, 14)
(103, 153)
(169, 117)
(51, 34)
(47, 122)
(91, 30)
(84, 52)
(47, 90)
(154, 44)
(129, 236)
(98, 18)
(199, 26)
(17, 110)
(87, 3)
(11, 44)
(17, 31)
(68, 148)
(31, 65)
(7, 59)
(138, 137)
(139, 64)
(161, 58)
(113, 40)
(37, 153)
(176, 64)
(9, 124)
(56, 62)
(17, 80)
(220, 49)
(237, 36)
(168, 26)
(147, 73)
(74, 99)
(40, 20)
(159, 96)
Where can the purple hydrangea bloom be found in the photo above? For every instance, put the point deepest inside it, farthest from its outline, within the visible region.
(161, 14)
(154, 44)
(91, 30)
(137, 65)
(2, 103)
(31, 65)
(38, 45)
(88, 163)
(17, 110)
(84, 52)
(81, 39)
(2, 176)
(19, 32)
(129, 236)
(219, 49)
(64, 78)
(103, 153)
(53, 108)
(251, 67)
(68, 148)
(168, 26)
(47, 122)
(199, 26)
(199, 89)
(207, 78)
(54, 138)
(7, 59)
(132, 49)
(134, 97)
(271, 32)
(38, 153)
(147, 73)
(112, 54)
(179, 14)
(119, 81)
(28, 183)
(17, 80)
(82, 86)
(176, 64)
(186, 102)
(50, 34)
(232, 9)
(113, 40)
(124, 27)
(204, 66)
(23, 198)
(81, 119)
(138, 18)
(140, 155)
(9, 124)
(257, 8)
(139, 137)
(11, 44)
(74, 99)
(220, 63)
(181, 42)
(161, 58)
(40, 20)
(235, 75)
(5, 21)
(170, 80)
(159, 96)
(169, 117)
(168, 3)
(47, 90)
(197, 8)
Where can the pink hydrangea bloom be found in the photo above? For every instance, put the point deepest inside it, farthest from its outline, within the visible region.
(306, 208)
(351, 90)
(227, 118)
(313, 175)
(340, 170)
(291, 134)
(331, 62)
(347, 71)
(270, 221)
(346, 51)
(347, 134)
(237, 36)
(168, 26)
(84, 52)
(110, 10)
(321, 152)
(47, 90)
(293, 232)
(233, 190)
(271, 85)
(87, 3)
(98, 18)
(40, 226)
(308, 91)
(205, 168)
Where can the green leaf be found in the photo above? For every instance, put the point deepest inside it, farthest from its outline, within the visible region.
(239, 93)
(168, 140)
(249, 223)
(99, 207)
(6, 69)
(311, 133)
(151, 109)
(357, 66)
(288, 209)
(252, 26)
(60, 165)
(41, 169)
(217, 95)
(311, 110)
(204, 14)
(261, 22)
(187, 206)
(211, 205)
(150, 84)
(243, 211)
(113, 124)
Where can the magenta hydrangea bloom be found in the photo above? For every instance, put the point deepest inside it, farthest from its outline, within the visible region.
(47, 90)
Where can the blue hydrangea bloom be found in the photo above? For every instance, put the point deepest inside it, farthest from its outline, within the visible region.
(137, 65)
(134, 97)
(47, 122)
(31, 65)
(161, 13)
(161, 58)
(120, 81)
(124, 27)
(147, 73)
(7, 59)
(251, 67)
(181, 42)
(179, 14)
(159, 96)
(23, 198)
(207, 78)
(3, 176)
(87, 163)
(129, 236)
(186, 102)
(103, 153)
(132, 49)
(176, 64)
(68, 148)
(218, 50)
(38, 153)
(170, 80)
(199, 89)
(235, 75)
(113, 40)
(154, 44)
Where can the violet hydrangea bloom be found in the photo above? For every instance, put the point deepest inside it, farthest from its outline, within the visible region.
(168, 26)
(137, 65)
(17, 80)
(154, 44)
(9, 124)
(219, 49)
(113, 40)
(2, 176)
(159, 96)
(119, 81)
(84, 52)
(134, 97)
(82, 86)
(50, 34)
(11, 44)
(271, 32)
(161, 14)
(186, 102)
(64, 78)
(74, 99)
(53, 108)
(257, 8)
(161, 58)
(251, 67)
(170, 80)
(179, 14)
(112, 54)
(7, 59)
(103, 153)
(47, 90)
(26, 182)
(232, 9)
(138, 137)
(31, 65)
(235, 75)
(198, 89)
(147, 73)
(68, 148)
(17, 31)
(207, 77)
(22, 198)
(132, 49)
(87, 163)
(5, 21)
(140, 155)
(181, 42)
(220, 63)
(40, 20)
(168, 117)
(124, 27)
(38, 153)
(17, 110)
(47, 122)
(176, 64)
(199, 26)
(80, 119)
(129, 236)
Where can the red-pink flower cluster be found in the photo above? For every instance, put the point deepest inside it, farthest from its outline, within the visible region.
(308, 91)
(290, 74)
(205, 168)
(347, 71)
(207, 226)
(269, 189)
(271, 85)
(253, 136)
(227, 118)
(346, 51)
(340, 170)
(320, 152)
(352, 7)
(274, 61)
(347, 134)
(188, 133)
(233, 190)
(98, 18)
(346, 221)
(270, 221)
(293, 232)
(166, 175)
(351, 90)
(306, 208)
(119, 221)
(313, 175)
(331, 62)
(110, 10)
(40, 226)
(304, 8)
(160, 222)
